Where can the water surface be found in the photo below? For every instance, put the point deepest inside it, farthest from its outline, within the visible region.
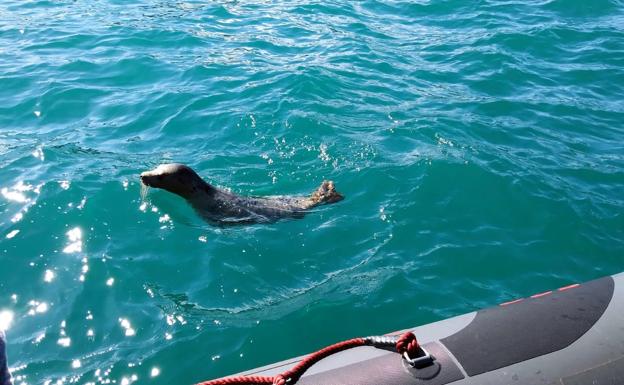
(479, 146)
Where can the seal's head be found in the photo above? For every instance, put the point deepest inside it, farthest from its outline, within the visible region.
(174, 177)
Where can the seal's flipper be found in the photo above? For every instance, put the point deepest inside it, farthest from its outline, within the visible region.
(326, 193)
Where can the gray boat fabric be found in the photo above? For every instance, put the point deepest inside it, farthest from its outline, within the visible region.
(5, 376)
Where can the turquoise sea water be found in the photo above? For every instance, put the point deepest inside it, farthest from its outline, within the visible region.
(480, 147)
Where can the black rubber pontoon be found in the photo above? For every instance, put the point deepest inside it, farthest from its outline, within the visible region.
(570, 336)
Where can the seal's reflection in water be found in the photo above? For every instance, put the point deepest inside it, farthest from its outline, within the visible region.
(5, 376)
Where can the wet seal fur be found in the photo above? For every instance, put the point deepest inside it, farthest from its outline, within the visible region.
(223, 207)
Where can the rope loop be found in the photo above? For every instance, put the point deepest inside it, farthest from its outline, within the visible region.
(408, 343)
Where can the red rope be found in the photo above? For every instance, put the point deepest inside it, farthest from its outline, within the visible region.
(240, 380)
(406, 343)
(298, 370)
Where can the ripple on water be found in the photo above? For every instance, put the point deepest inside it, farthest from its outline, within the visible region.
(478, 147)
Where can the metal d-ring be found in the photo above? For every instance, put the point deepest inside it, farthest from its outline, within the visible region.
(420, 361)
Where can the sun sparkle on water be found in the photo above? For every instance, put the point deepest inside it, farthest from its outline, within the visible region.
(6, 319)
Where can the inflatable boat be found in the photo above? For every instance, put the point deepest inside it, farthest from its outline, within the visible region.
(573, 335)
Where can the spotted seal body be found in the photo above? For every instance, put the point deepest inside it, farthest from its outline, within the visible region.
(222, 207)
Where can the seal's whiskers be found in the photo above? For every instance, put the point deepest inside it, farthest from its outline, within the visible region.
(144, 191)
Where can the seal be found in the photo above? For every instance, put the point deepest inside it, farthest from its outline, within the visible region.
(222, 207)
